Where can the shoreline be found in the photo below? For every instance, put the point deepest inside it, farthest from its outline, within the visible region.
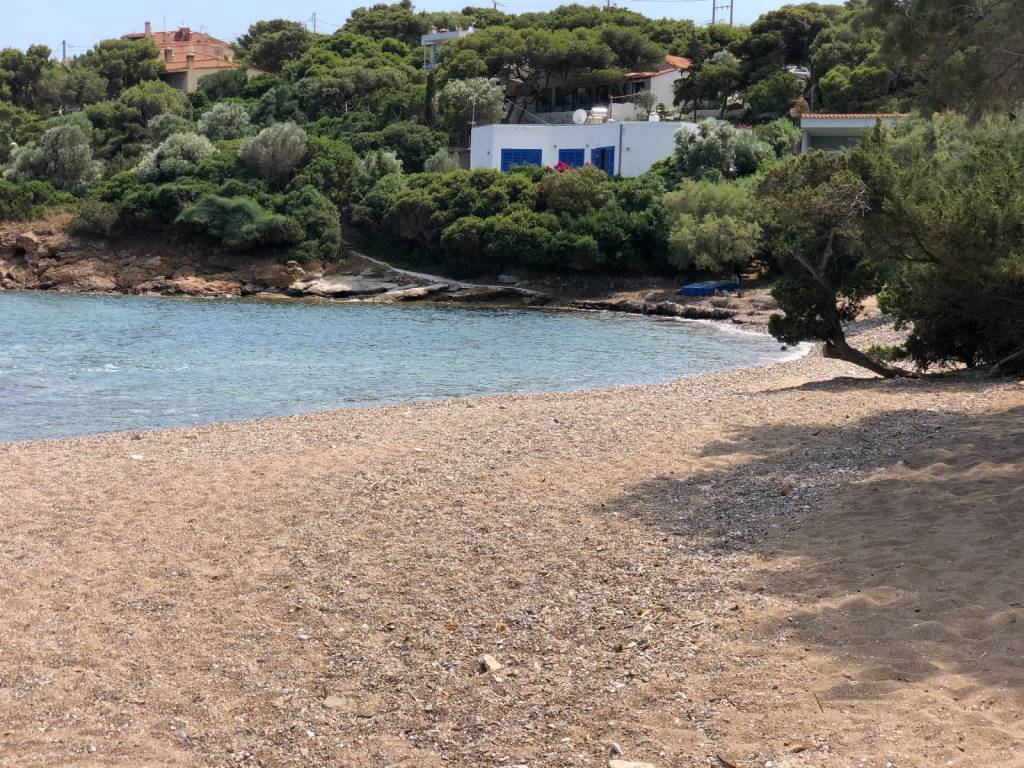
(742, 564)
(792, 354)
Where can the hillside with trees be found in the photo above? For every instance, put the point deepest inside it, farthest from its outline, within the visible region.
(349, 127)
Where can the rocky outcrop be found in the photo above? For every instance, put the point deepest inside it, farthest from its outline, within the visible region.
(663, 308)
(342, 286)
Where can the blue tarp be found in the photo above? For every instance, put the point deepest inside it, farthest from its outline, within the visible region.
(709, 288)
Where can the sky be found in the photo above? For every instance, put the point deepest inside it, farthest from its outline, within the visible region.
(82, 23)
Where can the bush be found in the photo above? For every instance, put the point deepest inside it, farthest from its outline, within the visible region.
(28, 200)
(374, 166)
(719, 152)
(153, 97)
(177, 155)
(226, 84)
(95, 218)
(714, 226)
(573, 191)
(441, 161)
(320, 224)
(239, 224)
(781, 135)
(62, 156)
(226, 121)
(275, 151)
(163, 126)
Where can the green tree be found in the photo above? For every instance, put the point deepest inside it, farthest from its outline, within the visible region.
(781, 135)
(774, 95)
(177, 155)
(152, 98)
(463, 103)
(22, 73)
(714, 82)
(714, 226)
(275, 151)
(947, 206)
(268, 45)
(62, 156)
(123, 63)
(227, 120)
(719, 151)
(816, 207)
(441, 161)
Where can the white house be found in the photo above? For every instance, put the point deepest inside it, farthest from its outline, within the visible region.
(434, 39)
(835, 132)
(661, 82)
(619, 149)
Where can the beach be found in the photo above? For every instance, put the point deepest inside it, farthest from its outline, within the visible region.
(791, 565)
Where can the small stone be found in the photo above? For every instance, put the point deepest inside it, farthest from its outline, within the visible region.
(91, 748)
(629, 764)
(489, 664)
(614, 749)
(797, 747)
(334, 702)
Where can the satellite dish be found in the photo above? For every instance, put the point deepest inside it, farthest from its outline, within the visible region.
(579, 117)
(654, 117)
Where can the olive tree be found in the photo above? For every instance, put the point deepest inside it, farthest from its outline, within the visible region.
(464, 103)
(275, 151)
(176, 155)
(61, 156)
(227, 120)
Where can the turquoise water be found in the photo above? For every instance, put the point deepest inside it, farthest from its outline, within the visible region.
(72, 365)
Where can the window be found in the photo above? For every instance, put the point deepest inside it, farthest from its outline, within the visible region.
(571, 157)
(603, 158)
(510, 158)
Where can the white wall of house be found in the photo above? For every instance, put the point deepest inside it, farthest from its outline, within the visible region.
(637, 145)
(833, 133)
(662, 86)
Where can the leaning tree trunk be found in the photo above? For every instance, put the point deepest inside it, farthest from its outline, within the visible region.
(838, 348)
(1011, 365)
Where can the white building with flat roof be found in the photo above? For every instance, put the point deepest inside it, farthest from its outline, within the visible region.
(619, 149)
(835, 132)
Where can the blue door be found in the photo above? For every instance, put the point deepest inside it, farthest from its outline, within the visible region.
(510, 158)
(603, 158)
(571, 157)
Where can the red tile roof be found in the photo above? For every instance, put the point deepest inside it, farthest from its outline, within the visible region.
(850, 115)
(210, 52)
(675, 64)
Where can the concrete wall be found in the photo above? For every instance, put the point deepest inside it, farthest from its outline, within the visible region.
(638, 145)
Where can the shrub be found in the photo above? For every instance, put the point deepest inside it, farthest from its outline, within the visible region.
(320, 225)
(441, 161)
(239, 224)
(226, 84)
(95, 218)
(573, 191)
(781, 135)
(153, 97)
(166, 125)
(177, 155)
(275, 151)
(62, 156)
(28, 200)
(373, 166)
(227, 120)
(719, 151)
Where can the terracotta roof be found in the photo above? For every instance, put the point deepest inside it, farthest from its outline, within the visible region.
(851, 115)
(675, 63)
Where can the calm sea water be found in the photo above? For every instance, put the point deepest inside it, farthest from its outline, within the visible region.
(72, 365)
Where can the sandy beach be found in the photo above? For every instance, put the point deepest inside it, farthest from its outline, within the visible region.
(783, 566)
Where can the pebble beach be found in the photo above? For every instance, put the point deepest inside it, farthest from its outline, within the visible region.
(790, 565)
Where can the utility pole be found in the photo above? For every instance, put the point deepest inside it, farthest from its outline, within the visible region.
(64, 51)
(314, 22)
(721, 5)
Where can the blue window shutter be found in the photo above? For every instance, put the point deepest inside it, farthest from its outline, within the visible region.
(603, 158)
(510, 158)
(571, 157)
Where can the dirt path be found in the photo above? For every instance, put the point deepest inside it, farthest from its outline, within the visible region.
(788, 565)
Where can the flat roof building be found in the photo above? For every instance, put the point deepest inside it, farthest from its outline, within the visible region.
(619, 149)
(835, 132)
